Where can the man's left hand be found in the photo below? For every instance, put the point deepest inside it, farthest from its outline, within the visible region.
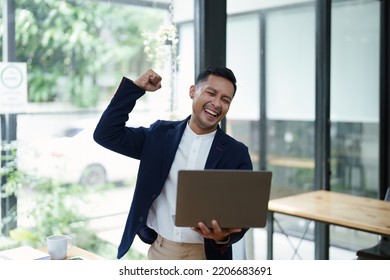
(215, 232)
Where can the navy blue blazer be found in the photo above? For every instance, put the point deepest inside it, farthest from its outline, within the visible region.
(155, 147)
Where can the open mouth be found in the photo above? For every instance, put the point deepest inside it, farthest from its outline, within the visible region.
(211, 112)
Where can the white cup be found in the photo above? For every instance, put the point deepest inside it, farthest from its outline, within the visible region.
(58, 245)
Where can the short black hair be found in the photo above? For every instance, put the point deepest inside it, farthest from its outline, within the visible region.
(223, 72)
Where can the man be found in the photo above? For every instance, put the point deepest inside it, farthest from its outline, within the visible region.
(165, 147)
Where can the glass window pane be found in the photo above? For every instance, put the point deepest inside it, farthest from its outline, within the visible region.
(289, 70)
(186, 69)
(290, 91)
(355, 108)
(75, 60)
(243, 59)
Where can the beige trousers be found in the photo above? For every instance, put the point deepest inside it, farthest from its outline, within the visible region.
(163, 249)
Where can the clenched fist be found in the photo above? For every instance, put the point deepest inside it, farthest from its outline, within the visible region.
(149, 81)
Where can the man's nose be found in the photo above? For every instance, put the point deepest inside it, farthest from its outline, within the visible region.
(217, 102)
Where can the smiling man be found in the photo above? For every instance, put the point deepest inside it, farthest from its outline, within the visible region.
(163, 149)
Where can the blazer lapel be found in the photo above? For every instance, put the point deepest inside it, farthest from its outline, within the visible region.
(217, 150)
(173, 139)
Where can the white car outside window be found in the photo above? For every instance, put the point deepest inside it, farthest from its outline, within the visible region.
(75, 158)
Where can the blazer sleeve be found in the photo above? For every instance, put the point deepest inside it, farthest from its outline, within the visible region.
(111, 131)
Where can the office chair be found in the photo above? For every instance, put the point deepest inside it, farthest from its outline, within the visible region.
(381, 251)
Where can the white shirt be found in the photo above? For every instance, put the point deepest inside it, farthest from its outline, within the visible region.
(192, 153)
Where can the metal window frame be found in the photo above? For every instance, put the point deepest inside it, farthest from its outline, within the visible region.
(384, 113)
(322, 117)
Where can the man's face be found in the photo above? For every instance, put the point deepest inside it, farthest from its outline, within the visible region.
(210, 102)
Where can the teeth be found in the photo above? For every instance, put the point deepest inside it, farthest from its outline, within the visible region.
(211, 112)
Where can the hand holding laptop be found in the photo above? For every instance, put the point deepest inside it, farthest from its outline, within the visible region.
(215, 232)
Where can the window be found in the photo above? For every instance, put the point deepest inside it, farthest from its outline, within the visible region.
(76, 53)
(355, 108)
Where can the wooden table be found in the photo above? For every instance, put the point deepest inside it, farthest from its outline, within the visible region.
(291, 162)
(78, 252)
(359, 213)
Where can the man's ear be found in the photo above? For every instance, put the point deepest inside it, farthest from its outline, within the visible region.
(192, 91)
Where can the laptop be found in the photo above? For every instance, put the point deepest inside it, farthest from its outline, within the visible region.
(235, 198)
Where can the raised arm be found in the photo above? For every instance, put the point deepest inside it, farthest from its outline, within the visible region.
(111, 131)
